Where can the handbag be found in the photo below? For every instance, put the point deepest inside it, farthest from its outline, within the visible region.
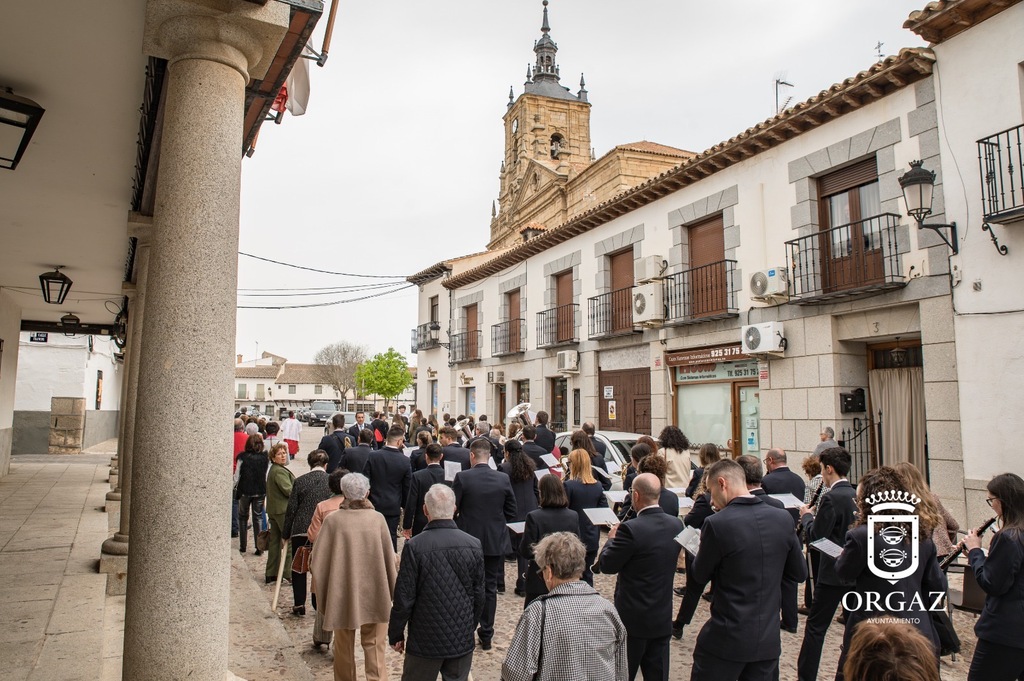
(300, 561)
(263, 540)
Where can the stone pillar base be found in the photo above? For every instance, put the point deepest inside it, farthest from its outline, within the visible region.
(113, 507)
(114, 564)
(113, 480)
(114, 495)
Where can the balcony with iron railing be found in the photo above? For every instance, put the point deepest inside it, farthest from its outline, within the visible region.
(465, 347)
(558, 326)
(611, 314)
(425, 338)
(702, 294)
(508, 338)
(1002, 183)
(848, 261)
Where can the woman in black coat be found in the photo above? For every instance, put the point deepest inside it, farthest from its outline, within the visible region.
(913, 591)
(552, 516)
(583, 492)
(519, 468)
(999, 655)
(308, 491)
(251, 490)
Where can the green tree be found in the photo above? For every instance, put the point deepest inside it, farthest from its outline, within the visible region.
(385, 374)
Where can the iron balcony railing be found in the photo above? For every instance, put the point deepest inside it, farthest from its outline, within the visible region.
(465, 347)
(558, 326)
(611, 314)
(702, 293)
(1002, 183)
(508, 338)
(421, 338)
(847, 261)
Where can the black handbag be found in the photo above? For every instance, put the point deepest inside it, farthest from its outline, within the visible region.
(949, 642)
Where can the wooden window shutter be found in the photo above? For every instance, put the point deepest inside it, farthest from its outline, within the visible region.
(707, 242)
(849, 177)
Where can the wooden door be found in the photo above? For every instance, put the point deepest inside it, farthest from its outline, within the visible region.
(621, 265)
(472, 326)
(502, 401)
(565, 315)
(851, 241)
(708, 288)
(514, 320)
(631, 393)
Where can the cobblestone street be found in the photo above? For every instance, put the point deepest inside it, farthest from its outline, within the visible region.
(487, 665)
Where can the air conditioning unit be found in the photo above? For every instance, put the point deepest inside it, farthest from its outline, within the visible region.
(568, 361)
(650, 268)
(770, 284)
(648, 304)
(490, 377)
(763, 339)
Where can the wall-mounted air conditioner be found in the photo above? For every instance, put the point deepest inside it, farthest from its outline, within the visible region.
(767, 338)
(568, 361)
(650, 268)
(770, 284)
(648, 304)
(495, 376)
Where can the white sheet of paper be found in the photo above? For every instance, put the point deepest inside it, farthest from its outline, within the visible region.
(490, 463)
(600, 472)
(550, 459)
(685, 502)
(616, 496)
(613, 467)
(827, 546)
(542, 472)
(451, 469)
(788, 500)
(689, 539)
(518, 528)
(678, 491)
(602, 516)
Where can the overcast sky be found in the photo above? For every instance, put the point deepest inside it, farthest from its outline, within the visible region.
(395, 164)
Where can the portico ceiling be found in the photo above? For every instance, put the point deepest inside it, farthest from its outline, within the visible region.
(67, 202)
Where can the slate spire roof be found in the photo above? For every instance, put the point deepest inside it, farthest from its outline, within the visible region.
(542, 78)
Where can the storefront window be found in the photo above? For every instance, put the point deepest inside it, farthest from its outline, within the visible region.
(704, 412)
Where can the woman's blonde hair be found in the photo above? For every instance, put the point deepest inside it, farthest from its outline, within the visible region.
(579, 466)
(927, 510)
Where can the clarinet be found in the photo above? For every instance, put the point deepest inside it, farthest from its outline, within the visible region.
(817, 494)
(948, 560)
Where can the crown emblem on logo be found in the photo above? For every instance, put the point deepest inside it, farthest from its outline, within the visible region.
(893, 496)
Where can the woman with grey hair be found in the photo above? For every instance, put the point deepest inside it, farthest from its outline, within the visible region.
(582, 634)
(354, 571)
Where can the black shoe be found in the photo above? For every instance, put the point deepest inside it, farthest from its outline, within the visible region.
(679, 591)
(269, 580)
(803, 611)
(234, 535)
(680, 571)
(791, 630)
(241, 551)
(257, 552)
(486, 645)
(520, 592)
(299, 610)
(708, 596)
(677, 632)
(501, 589)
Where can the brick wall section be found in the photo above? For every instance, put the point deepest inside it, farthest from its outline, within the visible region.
(67, 425)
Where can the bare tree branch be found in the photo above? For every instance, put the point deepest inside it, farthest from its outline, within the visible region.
(336, 365)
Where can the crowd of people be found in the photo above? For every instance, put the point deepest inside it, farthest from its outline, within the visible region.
(467, 498)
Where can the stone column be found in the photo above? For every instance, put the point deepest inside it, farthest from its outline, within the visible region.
(114, 495)
(114, 554)
(176, 610)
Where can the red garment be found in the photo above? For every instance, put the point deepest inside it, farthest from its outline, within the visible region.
(240, 439)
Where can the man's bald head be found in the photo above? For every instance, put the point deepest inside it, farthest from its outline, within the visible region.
(648, 490)
(239, 426)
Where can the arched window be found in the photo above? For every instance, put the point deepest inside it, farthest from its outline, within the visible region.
(556, 145)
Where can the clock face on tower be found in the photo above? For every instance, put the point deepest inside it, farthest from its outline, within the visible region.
(515, 125)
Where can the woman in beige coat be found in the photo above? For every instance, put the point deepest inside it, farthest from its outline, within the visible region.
(354, 572)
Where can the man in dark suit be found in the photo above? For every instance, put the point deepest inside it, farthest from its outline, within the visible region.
(354, 459)
(390, 477)
(753, 475)
(448, 437)
(748, 548)
(414, 519)
(486, 503)
(532, 449)
(780, 480)
(336, 443)
(599, 446)
(545, 436)
(836, 510)
(643, 552)
(359, 425)
(480, 434)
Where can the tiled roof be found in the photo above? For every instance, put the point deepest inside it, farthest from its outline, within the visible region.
(256, 372)
(883, 78)
(655, 148)
(300, 373)
(942, 20)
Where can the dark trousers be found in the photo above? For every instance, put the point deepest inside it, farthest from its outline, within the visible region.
(426, 669)
(648, 655)
(789, 604)
(392, 521)
(493, 566)
(234, 515)
(298, 578)
(708, 667)
(995, 662)
(813, 560)
(247, 506)
(823, 608)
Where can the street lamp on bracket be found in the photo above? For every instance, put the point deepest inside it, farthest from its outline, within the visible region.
(918, 187)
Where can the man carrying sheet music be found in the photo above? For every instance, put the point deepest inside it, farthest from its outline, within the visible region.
(748, 548)
(836, 510)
